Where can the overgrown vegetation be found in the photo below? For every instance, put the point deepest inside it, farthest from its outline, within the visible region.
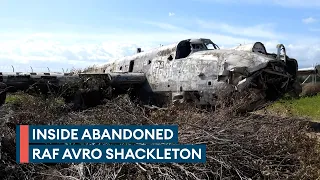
(302, 107)
(305, 106)
(238, 147)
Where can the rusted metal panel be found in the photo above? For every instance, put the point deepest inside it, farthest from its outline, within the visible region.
(126, 78)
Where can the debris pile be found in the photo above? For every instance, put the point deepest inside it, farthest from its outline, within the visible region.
(238, 147)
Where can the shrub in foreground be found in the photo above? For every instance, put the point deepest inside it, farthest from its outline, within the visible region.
(238, 147)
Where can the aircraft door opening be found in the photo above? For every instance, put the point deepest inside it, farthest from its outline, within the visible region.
(131, 66)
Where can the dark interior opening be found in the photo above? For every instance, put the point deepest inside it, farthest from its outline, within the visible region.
(131, 66)
(183, 49)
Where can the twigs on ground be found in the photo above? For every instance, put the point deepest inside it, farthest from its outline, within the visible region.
(238, 147)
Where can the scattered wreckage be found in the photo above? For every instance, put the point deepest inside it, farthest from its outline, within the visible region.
(192, 70)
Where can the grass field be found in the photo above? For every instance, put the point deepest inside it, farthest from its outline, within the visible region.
(302, 107)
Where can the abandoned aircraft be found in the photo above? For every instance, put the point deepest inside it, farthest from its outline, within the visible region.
(195, 70)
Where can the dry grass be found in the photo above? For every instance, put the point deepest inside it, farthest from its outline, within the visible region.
(238, 147)
(310, 89)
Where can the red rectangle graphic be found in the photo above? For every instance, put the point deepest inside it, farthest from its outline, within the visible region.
(24, 143)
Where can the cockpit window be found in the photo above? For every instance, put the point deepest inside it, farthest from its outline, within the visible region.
(210, 46)
(198, 46)
(185, 47)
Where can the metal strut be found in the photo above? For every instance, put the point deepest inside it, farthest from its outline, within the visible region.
(279, 48)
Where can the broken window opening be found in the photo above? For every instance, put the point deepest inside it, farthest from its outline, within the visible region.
(183, 50)
(198, 46)
(210, 46)
(131, 66)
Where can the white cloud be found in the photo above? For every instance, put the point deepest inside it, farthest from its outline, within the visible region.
(36, 51)
(63, 51)
(261, 30)
(171, 14)
(307, 54)
(309, 20)
(67, 50)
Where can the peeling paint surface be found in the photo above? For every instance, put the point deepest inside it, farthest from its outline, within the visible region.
(197, 72)
(188, 68)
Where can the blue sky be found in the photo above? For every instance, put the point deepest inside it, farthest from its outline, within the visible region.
(65, 34)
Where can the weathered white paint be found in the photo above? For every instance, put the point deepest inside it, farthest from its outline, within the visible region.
(199, 71)
(254, 47)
